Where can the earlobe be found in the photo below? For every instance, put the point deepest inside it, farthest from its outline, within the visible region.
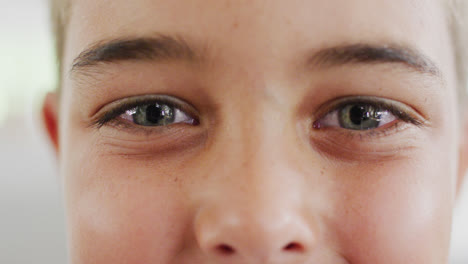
(50, 118)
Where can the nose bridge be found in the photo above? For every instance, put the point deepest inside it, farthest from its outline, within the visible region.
(256, 153)
(254, 211)
(259, 127)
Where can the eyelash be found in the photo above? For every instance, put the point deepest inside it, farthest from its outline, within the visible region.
(109, 116)
(389, 105)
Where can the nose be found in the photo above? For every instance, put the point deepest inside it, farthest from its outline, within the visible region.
(256, 205)
(255, 231)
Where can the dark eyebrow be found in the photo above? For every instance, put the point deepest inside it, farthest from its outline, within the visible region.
(172, 48)
(158, 48)
(373, 54)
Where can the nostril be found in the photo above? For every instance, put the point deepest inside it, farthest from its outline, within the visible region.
(224, 249)
(293, 247)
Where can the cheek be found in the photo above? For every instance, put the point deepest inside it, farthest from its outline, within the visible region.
(124, 211)
(401, 210)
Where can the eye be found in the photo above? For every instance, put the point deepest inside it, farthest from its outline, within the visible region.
(365, 113)
(357, 117)
(156, 114)
(147, 111)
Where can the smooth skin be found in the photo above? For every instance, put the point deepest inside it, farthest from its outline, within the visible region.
(263, 175)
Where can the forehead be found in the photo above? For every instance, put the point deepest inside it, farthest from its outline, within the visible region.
(264, 28)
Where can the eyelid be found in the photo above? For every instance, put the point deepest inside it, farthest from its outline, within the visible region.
(118, 107)
(398, 109)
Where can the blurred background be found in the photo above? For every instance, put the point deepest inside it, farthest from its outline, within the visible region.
(32, 228)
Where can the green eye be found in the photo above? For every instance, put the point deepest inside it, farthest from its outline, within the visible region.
(362, 117)
(153, 115)
(156, 114)
(364, 113)
(147, 111)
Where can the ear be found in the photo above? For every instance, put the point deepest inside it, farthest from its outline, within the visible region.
(463, 159)
(50, 118)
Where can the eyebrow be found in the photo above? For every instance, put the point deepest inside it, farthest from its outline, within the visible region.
(159, 48)
(373, 54)
(175, 48)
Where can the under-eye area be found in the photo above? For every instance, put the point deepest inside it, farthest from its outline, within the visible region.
(367, 128)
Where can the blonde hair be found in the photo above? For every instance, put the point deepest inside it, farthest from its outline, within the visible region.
(457, 12)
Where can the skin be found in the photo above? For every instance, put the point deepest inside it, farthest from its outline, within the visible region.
(255, 182)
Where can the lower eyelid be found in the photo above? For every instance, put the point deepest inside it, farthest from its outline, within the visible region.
(128, 128)
(355, 147)
(386, 130)
(140, 142)
(391, 141)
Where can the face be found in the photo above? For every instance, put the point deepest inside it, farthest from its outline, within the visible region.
(258, 131)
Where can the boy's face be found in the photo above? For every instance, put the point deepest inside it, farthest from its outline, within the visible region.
(218, 131)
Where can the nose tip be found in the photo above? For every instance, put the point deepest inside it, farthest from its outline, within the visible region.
(223, 249)
(283, 238)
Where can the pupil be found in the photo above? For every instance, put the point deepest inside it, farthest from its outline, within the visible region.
(155, 113)
(358, 114)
